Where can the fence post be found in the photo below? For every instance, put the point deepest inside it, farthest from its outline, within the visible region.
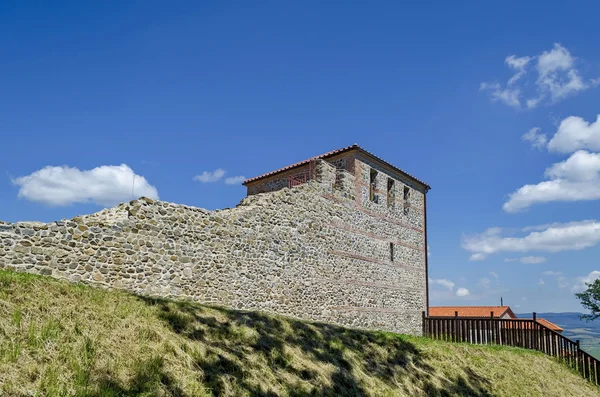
(455, 326)
(577, 357)
(423, 325)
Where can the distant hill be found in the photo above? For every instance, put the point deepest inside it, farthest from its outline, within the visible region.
(588, 333)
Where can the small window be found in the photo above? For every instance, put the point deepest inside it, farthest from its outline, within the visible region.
(406, 193)
(390, 193)
(373, 186)
(391, 252)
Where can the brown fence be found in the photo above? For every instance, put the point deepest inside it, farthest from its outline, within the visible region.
(528, 334)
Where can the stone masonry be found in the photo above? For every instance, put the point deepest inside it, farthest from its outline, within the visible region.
(323, 250)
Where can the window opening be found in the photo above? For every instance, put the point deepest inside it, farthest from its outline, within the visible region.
(406, 193)
(391, 252)
(373, 186)
(390, 193)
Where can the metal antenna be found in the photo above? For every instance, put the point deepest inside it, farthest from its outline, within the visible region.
(132, 185)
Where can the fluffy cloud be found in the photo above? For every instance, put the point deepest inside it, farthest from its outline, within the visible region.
(235, 180)
(537, 139)
(555, 238)
(575, 179)
(581, 283)
(508, 96)
(106, 185)
(462, 292)
(518, 64)
(477, 257)
(533, 259)
(208, 176)
(443, 282)
(575, 133)
(557, 78)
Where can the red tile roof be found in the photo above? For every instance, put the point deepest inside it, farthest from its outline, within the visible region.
(332, 153)
(470, 311)
(548, 324)
(485, 311)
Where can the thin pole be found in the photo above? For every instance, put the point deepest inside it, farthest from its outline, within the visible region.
(132, 185)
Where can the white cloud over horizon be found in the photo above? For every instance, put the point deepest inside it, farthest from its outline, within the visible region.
(555, 238)
(574, 179)
(557, 78)
(581, 283)
(62, 185)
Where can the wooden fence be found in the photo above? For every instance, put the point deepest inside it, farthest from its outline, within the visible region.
(528, 334)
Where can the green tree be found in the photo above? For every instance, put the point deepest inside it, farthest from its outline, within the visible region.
(590, 299)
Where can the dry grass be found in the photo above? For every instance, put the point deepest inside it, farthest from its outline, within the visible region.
(62, 339)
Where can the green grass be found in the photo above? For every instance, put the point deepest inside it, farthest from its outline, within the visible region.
(61, 339)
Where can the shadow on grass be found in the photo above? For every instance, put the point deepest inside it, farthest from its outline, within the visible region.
(336, 356)
(148, 379)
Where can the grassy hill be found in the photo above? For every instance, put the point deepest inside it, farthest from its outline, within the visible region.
(62, 339)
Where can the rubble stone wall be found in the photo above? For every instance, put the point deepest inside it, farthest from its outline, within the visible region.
(320, 251)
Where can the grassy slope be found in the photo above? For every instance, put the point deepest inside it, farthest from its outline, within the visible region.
(63, 339)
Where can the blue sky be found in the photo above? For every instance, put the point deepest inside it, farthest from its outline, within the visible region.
(93, 93)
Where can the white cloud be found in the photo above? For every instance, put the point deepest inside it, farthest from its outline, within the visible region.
(477, 257)
(575, 179)
(208, 176)
(508, 96)
(537, 139)
(484, 283)
(510, 259)
(443, 282)
(551, 273)
(519, 64)
(494, 274)
(462, 292)
(105, 185)
(558, 237)
(575, 133)
(581, 283)
(234, 180)
(541, 282)
(557, 78)
(533, 259)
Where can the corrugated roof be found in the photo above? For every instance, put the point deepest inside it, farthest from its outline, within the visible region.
(332, 153)
(470, 311)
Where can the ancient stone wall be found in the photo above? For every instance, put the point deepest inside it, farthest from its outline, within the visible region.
(320, 251)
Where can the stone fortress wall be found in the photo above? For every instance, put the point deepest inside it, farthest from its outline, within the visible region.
(320, 251)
